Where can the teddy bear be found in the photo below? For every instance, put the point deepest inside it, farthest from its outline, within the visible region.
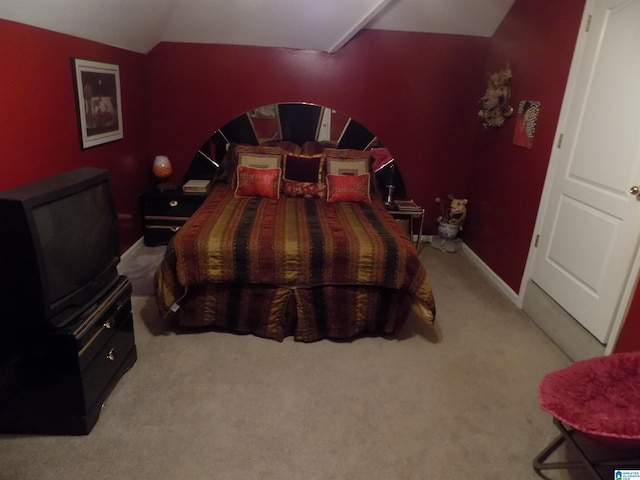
(458, 211)
(455, 213)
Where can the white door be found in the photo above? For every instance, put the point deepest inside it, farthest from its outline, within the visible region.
(591, 223)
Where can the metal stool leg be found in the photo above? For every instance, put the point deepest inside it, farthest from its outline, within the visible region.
(539, 463)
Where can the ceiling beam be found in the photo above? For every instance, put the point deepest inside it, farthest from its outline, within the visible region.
(368, 16)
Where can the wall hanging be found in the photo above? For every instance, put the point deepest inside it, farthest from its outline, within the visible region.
(98, 102)
(526, 120)
(495, 102)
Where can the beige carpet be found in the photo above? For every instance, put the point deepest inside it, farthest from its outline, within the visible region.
(458, 401)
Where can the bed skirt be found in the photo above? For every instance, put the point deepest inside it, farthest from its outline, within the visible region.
(307, 314)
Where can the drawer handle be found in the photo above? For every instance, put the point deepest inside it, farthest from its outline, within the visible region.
(173, 203)
(110, 323)
(175, 229)
(112, 355)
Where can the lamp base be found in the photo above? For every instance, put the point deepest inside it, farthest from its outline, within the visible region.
(167, 187)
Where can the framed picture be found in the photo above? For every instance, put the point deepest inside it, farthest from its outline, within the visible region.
(98, 102)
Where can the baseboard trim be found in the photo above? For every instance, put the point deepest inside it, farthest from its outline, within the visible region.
(129, 250)
(492, 276)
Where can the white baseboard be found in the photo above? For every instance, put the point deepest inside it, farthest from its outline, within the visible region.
(128, 251)
(492, 276)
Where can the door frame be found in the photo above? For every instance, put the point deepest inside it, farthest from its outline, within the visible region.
(630, 286)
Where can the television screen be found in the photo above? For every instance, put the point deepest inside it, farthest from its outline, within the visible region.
(63, 250)
(76, 237)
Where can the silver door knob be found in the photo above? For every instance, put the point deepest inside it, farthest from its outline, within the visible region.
(635, 190)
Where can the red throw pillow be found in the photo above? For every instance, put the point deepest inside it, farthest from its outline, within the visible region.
(348, 188)
(291, 188)
(258, 182)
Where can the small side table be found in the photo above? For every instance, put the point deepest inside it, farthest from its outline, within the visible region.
(411, 215)
(165, 212)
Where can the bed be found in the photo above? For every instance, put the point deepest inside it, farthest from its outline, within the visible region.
(294, 241)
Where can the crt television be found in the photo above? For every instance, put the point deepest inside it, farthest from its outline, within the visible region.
(59, 248)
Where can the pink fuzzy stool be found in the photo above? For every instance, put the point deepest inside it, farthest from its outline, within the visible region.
(598, 399)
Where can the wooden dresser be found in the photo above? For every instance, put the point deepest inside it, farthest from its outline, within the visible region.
(56, 381)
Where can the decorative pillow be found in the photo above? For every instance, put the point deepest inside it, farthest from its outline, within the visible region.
(346, 153)
(381, 158)
(346, 161)
(303, 176)
(255, 157)
(339, 158)
(258, 182)
(303, 168)
(269, 150)
(347, 166)
(312, 147)
(290, 147)
(259, 160)
(258, 156)
(348, 188)
(291, 188)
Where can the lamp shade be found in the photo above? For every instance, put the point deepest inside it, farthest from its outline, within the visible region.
(162, 166)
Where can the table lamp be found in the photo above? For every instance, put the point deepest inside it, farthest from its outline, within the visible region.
(162, 167)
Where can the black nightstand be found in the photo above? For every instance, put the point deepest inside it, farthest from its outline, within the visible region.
(165, 212)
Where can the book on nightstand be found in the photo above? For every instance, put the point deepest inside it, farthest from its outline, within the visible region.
(407, 205)
(196, 186)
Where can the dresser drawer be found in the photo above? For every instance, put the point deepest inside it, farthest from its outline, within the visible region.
(164, 214)
(170, 205)
(64, 376)
(106, 363)
(103, 322)
(159, 232)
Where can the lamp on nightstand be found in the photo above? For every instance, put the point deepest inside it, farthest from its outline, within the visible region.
(162, 167)
(162, 170)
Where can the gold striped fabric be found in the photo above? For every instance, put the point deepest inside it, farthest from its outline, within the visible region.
(308, 253)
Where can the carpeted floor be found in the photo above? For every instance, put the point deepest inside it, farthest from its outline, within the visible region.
(139, 265)
(455, 401)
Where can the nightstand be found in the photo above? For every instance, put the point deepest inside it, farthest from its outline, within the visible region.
(165, 212)
(411, 215)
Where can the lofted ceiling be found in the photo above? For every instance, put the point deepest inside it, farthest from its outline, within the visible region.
(324, 25)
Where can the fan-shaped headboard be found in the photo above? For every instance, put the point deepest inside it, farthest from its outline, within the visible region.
(297, 123)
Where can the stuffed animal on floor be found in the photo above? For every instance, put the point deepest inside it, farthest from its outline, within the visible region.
(458, 211)
(455, 213)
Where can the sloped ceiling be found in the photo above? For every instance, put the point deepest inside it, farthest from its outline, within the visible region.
(324, 25)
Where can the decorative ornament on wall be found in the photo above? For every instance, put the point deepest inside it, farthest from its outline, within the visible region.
(495, 102)
(526, 120)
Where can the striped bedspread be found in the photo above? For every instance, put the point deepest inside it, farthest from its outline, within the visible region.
(296, 242)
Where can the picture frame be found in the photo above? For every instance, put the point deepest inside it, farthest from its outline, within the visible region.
(526, 121)
(98, 102)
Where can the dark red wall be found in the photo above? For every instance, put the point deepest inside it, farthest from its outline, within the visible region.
(537, 39)
(417, 92)
(38, 119)
(629, 338)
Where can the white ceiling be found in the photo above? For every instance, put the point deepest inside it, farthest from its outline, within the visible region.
(324, 25)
